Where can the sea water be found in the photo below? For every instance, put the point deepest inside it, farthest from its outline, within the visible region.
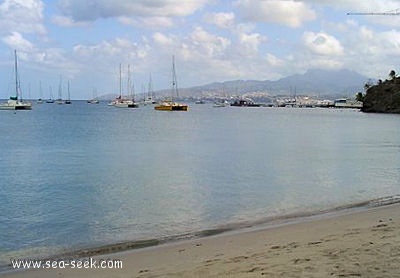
(83, 175)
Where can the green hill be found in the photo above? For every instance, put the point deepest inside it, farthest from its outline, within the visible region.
(383, 97)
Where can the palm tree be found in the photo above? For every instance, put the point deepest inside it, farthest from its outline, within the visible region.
(359, 96)
(392, 74)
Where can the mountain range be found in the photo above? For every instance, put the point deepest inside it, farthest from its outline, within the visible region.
(313, 82)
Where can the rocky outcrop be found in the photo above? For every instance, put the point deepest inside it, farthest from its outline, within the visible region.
(383, 98)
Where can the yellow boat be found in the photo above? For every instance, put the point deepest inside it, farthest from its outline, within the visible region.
(169, 105)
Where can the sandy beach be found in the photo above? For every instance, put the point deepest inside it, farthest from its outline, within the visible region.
(352, 244)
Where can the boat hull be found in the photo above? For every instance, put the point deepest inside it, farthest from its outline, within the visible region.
(16, 105)
(245, 103)
(180, 107)
(126, 105)
(23, 107)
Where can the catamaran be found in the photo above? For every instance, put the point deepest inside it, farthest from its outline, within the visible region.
(16, 102)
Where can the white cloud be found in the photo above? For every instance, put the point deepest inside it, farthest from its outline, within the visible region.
(109, 53)
(67, 21)
(358, 6)
(91, 10)
(117, 48)
(322, 44)
(23, 16)
(17, 41)
(390, 41)
(245, 28)
(366, 47)
(250, 43)
(366, 34)
(208, 44)
(222, 20)
(40, 59)
(163, 40)
(273, 60)
(150, 22)
(289, 12)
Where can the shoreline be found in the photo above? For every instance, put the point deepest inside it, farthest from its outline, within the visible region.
(236, 248)
(230, 228)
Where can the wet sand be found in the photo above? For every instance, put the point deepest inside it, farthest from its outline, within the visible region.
(354, 244)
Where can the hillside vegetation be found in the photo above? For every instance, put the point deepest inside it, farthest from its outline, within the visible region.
(383, 97)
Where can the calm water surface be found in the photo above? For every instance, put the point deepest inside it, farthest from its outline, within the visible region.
(83, 175)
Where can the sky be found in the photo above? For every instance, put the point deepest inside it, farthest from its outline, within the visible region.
(85, 42)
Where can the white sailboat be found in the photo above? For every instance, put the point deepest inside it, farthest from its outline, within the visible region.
(94, 99)
(40, 99)
(16, 102)
(68, 100)
(51, 99)
(149, 99)
(59, 100)
(121, 102)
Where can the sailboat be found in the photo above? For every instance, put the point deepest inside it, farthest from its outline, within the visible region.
(59, 100)
(16, 102)
(222, 102)
(94, 100)
(169, 105)
(40, 99)
(68, 100)
(121, 102)
(51, 99)
(149, 99)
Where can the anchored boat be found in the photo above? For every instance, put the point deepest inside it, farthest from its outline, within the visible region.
(16, 102)
(169, 105)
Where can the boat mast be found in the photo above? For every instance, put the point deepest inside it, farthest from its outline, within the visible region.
(40, 90)
(16, 74)
(120, 81)
(174, 80)
(128, 85)
(60, 89)
(150, 93)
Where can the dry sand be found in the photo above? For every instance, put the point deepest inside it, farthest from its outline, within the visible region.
(356, 244)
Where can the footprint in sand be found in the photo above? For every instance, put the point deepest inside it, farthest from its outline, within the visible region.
(292, 245)
(237, 259)
(277, 247)
(352, 232)
(329, 238)
(255, 269)
(299, 261)
(382, 227)
(211, 262)
(314, 243)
